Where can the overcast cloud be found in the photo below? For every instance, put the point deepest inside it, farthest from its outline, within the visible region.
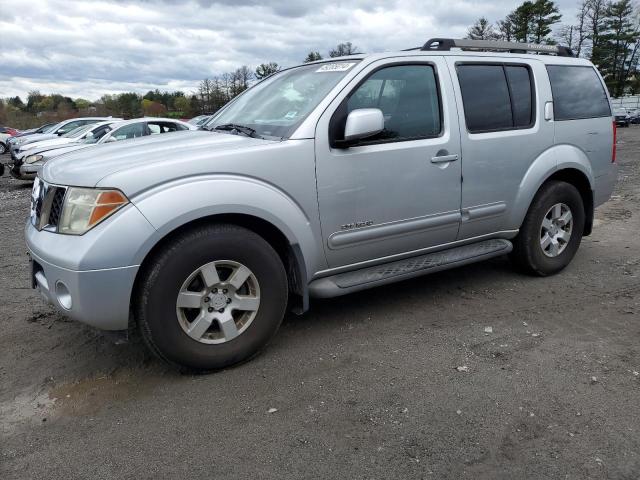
(89, 48)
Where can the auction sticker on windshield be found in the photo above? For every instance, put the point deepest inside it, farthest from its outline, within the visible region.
(335, 67)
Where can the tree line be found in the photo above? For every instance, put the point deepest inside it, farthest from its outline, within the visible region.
(605, 32)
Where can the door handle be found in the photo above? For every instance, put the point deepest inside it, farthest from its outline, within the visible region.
(444, 158)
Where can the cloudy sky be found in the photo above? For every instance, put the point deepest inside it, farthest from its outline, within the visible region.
(88, 48)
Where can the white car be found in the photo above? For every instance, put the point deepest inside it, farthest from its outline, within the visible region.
(56, 131)
(27, 167)
(74, 136)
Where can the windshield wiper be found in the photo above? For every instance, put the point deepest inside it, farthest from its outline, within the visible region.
(248, 131)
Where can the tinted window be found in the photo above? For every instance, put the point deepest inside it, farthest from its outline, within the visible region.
(577, 93)
(408, 98)
(521, 94)
(485, 95)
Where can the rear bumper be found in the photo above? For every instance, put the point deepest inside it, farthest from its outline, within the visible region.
(605, 185)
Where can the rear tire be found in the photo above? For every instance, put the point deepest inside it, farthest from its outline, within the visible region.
(198, 264)
(552, 230)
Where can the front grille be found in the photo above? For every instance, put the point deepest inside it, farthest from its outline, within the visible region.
(46, 205)
(56, 206)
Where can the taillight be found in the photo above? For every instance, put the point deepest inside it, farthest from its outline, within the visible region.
(615, 136)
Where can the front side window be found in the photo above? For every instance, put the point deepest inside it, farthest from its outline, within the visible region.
(408, 97)
(496, 97)
(96, 134)
(577, 93)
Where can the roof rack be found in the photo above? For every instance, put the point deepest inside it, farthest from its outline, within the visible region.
(494, 45)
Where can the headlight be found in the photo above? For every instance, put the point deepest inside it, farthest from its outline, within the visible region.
(84, 208)
(33, 158)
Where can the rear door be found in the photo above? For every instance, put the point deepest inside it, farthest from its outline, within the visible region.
(503, 131)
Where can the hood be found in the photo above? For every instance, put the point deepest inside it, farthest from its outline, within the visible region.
(192, 150)
(48, 150)
(36, 137)
(52, 142)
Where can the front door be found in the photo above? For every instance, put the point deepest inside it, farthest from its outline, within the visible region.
(398, 191)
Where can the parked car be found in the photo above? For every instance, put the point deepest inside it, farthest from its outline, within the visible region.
(622, 118)
(75, 135)
(634, 116)
(10, 131)
(58, 129)
(41, 129)
(322, 180)
(24, 165)
(5, 134)
(29, 163)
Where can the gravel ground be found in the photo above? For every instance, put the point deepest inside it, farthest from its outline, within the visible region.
(365, 386)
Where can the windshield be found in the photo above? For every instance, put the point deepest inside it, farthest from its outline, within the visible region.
(78, 131)
(45, 128)
(275, 107)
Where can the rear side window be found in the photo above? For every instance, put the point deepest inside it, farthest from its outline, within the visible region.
(577, 93)
(496, 97)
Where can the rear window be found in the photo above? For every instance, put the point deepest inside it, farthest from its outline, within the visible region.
(496, 97)
(577, 93)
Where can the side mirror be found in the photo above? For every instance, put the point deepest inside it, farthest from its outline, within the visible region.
(363, 123)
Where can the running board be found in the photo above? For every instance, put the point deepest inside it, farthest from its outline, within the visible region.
(344, 283)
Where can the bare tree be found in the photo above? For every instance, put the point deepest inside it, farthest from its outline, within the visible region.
(565, 35)
(343, 49)
(506, 28)
(595, 18)
(581, 34)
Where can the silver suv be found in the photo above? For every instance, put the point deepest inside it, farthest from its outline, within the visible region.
(322, 180)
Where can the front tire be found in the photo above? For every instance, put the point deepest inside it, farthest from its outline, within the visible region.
(213, 297)
(552, 230)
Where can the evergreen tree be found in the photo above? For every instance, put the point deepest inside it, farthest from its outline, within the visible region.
(544, 15)
(482, 30)
(532, 21)
(618, 45)
(265, 69)
(313, 57)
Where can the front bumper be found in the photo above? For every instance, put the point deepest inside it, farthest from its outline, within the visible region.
(24, 171)
(99, 298)
(90, 277)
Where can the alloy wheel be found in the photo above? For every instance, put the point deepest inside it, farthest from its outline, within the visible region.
(556, 229)
(218, 302)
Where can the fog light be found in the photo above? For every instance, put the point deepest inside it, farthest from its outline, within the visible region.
(63, 295)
